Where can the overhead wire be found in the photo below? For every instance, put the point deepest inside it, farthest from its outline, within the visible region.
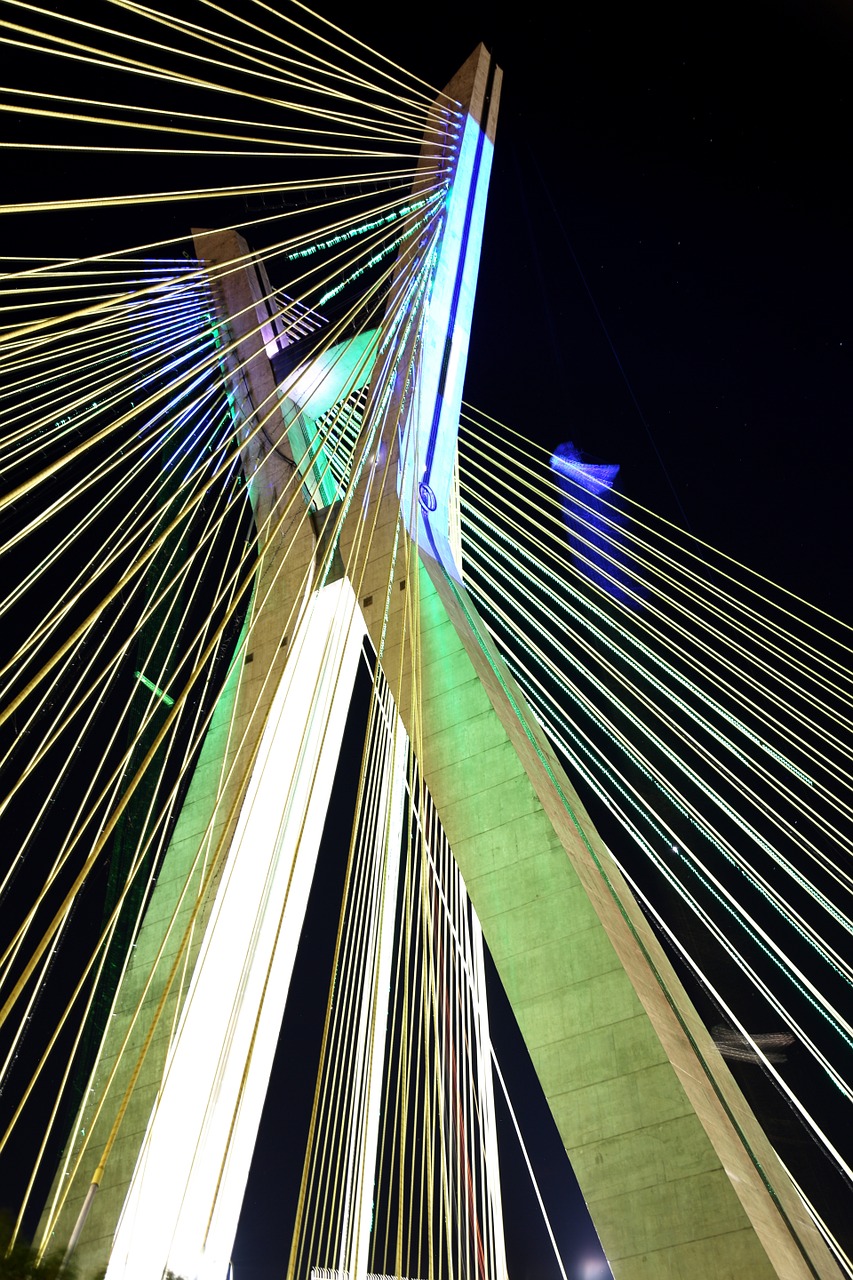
(117, 423)
(513, 552)
(297, 64)
(838, 833)
(508, 433)
(616, 677)
(785, 965)
(804, 669)
(713, 651)
(300, 55)
(434, 1021)
(157, 825)
(637, 618)
(562, 586)
(126, 63)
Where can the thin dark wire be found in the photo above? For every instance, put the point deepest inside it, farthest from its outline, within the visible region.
(536, 257)
(610, 343)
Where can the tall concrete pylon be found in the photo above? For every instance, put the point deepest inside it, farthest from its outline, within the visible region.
(678, 1176)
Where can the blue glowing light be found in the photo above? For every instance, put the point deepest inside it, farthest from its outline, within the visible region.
(429, 433)
(596, 523)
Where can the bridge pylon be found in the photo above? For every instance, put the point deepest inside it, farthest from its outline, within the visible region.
(678, 1176)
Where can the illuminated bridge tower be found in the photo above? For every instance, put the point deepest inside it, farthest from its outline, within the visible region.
(678, 1176)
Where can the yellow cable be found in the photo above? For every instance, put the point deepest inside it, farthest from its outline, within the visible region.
(535, 448)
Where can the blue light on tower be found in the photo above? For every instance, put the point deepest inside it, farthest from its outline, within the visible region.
(596, 524)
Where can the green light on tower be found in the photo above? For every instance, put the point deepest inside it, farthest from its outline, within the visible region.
(149, 684)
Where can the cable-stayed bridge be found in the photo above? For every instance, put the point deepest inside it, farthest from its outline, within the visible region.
(236, 482)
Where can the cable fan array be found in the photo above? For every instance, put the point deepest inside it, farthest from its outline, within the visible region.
(152, 506)
(706, 714)
(115, 640)
(141, 498)
(405, 1061)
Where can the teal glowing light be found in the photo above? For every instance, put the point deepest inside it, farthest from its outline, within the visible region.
(354, 232)
(158, 693)
(374, 259)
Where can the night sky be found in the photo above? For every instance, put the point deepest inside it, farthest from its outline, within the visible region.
(665, 282)
(667, 264)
